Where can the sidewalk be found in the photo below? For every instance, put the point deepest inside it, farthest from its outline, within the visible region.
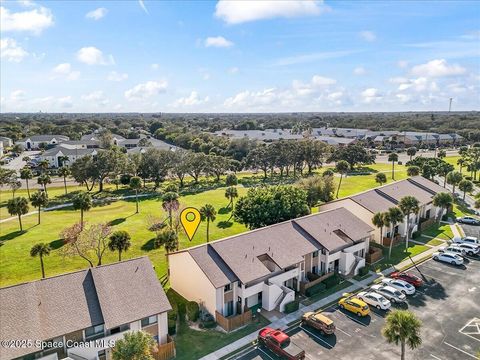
(283, 322)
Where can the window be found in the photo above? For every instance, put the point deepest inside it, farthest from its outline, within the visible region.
(119, 329)
(228, 287)
(94, 332)
(149, 320)
(315, 254)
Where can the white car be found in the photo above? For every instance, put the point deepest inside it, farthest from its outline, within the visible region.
(448, 257)
(469, 249)
(390, 293)
(468, 220)
(401, 285)
(467, 239)
(454, 248)
(375, 299)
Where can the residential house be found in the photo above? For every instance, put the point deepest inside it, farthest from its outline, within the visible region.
(66, 154)
(34, 142)
(264, 268)
(84, 311)
(366, 204)
(6, 141)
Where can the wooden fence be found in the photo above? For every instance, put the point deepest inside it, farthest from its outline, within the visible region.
(165, 351)
(306, 285)
(233, 322)
(374, 254)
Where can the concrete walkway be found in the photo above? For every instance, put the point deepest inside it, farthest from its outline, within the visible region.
(283, 322)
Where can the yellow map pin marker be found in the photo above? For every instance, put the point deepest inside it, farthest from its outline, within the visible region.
(190, 219)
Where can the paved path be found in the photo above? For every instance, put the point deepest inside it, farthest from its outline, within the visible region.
(283, 322)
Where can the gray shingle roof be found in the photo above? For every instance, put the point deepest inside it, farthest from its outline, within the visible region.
(113, 294)
(67, 151)
(46, 138)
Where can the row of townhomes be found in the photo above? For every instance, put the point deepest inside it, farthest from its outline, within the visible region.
(366, 204)
(94, 307)
(264, 268)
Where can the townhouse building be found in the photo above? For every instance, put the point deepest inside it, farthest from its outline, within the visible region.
(34, 142)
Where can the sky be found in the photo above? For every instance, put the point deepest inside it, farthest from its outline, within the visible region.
(239, 56)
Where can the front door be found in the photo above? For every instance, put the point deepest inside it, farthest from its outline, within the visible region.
(336, 265)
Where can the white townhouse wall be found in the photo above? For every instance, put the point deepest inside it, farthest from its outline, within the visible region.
(33, 142)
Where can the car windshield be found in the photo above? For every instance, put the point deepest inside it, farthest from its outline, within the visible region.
(397, 293)
(365, 307)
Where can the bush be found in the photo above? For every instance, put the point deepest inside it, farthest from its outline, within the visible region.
(416, 234)
(125, 179)
(172, 322)
(332, 281)
(468, 178)
(291, 307)
(363, 271)
(316, 289)
(210, 324)
(182, 310)
(399, 162)
(193, 311)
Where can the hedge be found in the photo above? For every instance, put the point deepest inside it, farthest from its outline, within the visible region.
(193, 311)
(172, 322)
(315, 289)
(181, 308)
(363, 271)
(291, 307)
(332, 281)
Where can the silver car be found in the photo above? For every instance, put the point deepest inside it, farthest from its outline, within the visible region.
(392, 294)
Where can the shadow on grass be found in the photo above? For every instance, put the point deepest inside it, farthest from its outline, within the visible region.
(12, 235)
(363, 170)
(116, 221)
(149, 245)
(224, 224)
(224, 210)
(56, 244)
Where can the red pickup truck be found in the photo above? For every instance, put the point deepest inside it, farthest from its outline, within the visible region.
(279, 343)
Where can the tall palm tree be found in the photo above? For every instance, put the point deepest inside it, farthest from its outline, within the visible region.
(64, 172)
(43, 180)
(119, 241)
(393, 157)
(454, 178)
(465, 186)
(18, 206)
(411, 151)
(135, 184)
(40, 250)
(378, 220)
(44, 164)
(170, 204)
(208, 213)
(83, 202)
(15, 185)
(380, 178)
(26, 174)
(461, 162)
(442, 200)
(167, 238)
(409, 205)
(413, 171)
(342, 168)
(39, 200)
(393, 216)
(231, 193)
(402, 327)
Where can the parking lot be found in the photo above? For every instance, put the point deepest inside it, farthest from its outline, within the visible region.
(448, 305)
(471, 230)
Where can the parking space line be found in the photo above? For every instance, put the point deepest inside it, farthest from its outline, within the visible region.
(343, 331)
(271, 358)
(463, 351)
(316, 337)
(351, 318)
(435, 357)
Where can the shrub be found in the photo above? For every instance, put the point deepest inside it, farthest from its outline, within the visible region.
(416, 234)
(172, 187)
(291, 307)
(332, 281)
(193, 311)
(363, 271)
(182, 310)
(468, 178)
(399, 162)
(316, 289)
(209, 324)
(125, 179)
(172, 322)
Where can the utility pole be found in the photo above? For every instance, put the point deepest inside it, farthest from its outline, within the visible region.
(450, 105)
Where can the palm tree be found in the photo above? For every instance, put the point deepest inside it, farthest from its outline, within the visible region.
(15, 185)
(64, 171)
(454, 178)
(409, 205)
(380, 178)
(167, 238)
(208, 213)
(231, 193)
(43, 180)
(378, 220)
(170, 204)
(39, 200)
(461, 162)
(443, 169)
(393, 216)
(411, 151)
(40, 250)
(441, 154)
(402, 326)
(342, 168)
(465, 186)
(18, 206)
(413, 171)
(26, 174)
(44, 164)
(135, 184)
(83, 202)
(442, 200)
(393, 157)
(119, 241)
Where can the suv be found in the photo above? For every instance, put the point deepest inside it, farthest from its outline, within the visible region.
(469, 249)
(319, 321)
(468, 220)
(454, 248)
(466, 239)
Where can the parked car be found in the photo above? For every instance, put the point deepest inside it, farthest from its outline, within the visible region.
(408, 277)
(392, 294)
(466, 239)
(401, 285)
(319, 322)
(279, 343)
(374, 299)
(468, 220)
(448, 257)
(354, 305)
(454, 248)
(469, 249)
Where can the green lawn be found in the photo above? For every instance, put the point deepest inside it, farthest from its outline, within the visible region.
(428, 241)
(399, 253)
(442, 232)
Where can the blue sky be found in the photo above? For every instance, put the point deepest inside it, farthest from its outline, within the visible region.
(239, 56)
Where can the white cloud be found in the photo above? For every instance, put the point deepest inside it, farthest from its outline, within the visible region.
(33, 21)
(65, 102)
(368, 35)
(11, 51)
(97, 97)
(420, 84)
(155, 66)
(218, 41)
(146, 90)
(247, 99)
(402, 64)
(233, 70)
(437, 68)
(96, 14)
(142, 5)
(115, 76)
(90, 55)
(239, 11)
(65, 70)
(191, 100)
(306, 58)
(359, 70)
(370, 95)
(17, 95)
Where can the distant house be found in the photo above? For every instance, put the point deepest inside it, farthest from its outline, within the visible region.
(84, 312)
(6, 141)
(266, 267)
(82, 144)
(33, 142)
(66, 154)
(366, 204)
(1, 149)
